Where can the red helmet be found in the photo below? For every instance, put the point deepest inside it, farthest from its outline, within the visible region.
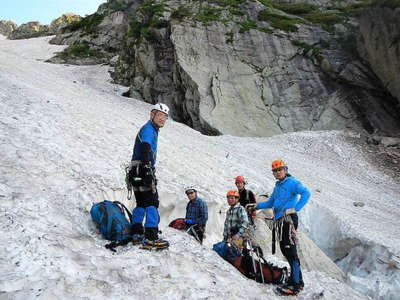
(279, 163)
(232, 193)
(239, 179)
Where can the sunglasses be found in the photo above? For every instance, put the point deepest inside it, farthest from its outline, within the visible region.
(191, 192)
(277, 170)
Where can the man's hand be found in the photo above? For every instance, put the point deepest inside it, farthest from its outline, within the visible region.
(290, 211)
(251, 209)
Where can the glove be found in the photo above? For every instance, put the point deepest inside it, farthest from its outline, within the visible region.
(189, 221)
(251, 207)
(148, 175)
(290, 211)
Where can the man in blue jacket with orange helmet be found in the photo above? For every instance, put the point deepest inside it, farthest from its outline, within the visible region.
(144, 182)
(289, 197)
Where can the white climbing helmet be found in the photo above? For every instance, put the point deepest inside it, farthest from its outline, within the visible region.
(160, 107)
(190, 188)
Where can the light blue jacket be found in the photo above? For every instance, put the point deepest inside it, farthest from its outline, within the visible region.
(286, 195)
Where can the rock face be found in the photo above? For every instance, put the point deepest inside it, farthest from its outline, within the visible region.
(379, 44)
(102, 32)
(57, 25)
(29, 30)
(6, 27)
(243, 68)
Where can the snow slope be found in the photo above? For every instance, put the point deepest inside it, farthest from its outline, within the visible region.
(65, 137)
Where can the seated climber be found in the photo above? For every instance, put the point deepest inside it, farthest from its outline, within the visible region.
(235, 226)
(196, 215)
(238, 249)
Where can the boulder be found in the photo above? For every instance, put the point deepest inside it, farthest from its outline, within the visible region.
(57, 25)
(6, 27)
(29, 30)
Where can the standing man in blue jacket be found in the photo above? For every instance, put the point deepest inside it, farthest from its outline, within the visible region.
(144, 182)
(289, 197)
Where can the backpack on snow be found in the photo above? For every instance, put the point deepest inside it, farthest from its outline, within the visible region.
(262, 271)
(251, 267)
(111, 220)
(178, 224)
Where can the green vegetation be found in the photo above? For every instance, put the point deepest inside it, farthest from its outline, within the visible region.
(88, 24)
(247, 25)
(232, 6)
(295, 8)
(118, 5)
(308, 50)
(229, 37)
(325, 19)
(181, 13)
(387, 3)
(81, 50)
(209, 14)
(279, 21)
(151, 12)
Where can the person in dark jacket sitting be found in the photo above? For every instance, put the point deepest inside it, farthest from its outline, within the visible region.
(196, 214)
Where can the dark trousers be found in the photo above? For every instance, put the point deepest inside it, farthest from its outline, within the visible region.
(289, 250)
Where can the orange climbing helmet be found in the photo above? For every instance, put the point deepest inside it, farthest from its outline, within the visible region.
(278, 163)
(233, 193)
(240, 179)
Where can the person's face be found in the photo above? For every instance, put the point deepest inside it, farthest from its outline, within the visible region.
(159, 118)
(240, 185)
(232, 200)
(191, 195)
(279, 173)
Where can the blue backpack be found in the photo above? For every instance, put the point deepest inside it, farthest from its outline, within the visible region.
(111, 220)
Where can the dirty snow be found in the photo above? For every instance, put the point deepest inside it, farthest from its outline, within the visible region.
(66, 134)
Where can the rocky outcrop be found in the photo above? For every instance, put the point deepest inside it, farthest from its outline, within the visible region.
(102, 33)
(6, 27)
(245, 67)
(379, 44)
(30, 30)
(57, 25)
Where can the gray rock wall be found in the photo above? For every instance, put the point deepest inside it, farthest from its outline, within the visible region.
(379, 44)
(258, 81)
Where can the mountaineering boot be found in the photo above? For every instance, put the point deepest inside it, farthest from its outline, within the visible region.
(300, 285)
(158, 244)
(288, 290)
(137, 239)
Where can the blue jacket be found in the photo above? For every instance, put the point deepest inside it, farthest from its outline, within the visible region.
(197, 211)
(285, 196)
(147, 134)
